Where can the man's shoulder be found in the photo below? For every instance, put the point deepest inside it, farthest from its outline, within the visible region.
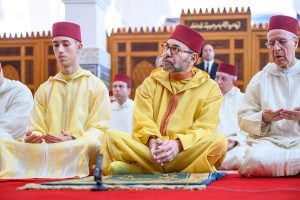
(235, 91)
(130, 102)
(114, 104)
(261, 75)
(157, 71)
(17, 86)
(90, 77)
(47, 83)
(84, 75)
(215, 64)
(202, 77)
(156, 74)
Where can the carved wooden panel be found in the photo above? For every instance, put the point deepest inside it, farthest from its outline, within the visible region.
(263, 60)
(140, 71)
(29, 51)
(222, 58)
(136, 60)
(26, 58)
(219, 44)
(52, 67)
(29, 72)
(239, 62)
(238, 44)
(50, 50)
(144, 46)
(10, 51)
(121, 47)
(121, 65)
(262, 43)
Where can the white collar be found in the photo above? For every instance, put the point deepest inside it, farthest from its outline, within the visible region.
(127, 103)
(209, 62)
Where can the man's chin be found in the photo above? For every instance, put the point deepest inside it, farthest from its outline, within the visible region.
(281, 64)
(168, 68)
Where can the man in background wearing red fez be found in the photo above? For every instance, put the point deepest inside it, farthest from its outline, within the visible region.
(122, 107)
(70, 113)
(228, 122)
(174, 118)
(270, 111)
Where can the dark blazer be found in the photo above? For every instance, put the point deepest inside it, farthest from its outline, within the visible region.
(213, 70)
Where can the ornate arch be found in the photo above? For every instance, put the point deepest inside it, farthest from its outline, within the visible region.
(140, 71)
(10, 72)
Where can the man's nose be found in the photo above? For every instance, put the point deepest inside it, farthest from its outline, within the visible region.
(60, 48)
(277, 45)
(167, 53)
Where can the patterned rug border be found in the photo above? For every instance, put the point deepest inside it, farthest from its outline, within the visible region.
(133, 181)
(34, 186)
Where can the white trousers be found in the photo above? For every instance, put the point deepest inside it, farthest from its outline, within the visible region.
(265, 158)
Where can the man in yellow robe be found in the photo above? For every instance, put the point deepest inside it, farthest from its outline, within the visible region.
(71, 112)
(175, 116)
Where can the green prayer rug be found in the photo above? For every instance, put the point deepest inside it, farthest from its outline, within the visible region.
(177, 181)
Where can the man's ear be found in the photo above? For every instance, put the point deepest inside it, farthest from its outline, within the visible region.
(296, 43)
(79, 46)
(195, 57)
(129, 91)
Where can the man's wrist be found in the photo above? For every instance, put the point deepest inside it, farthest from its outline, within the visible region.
(264, 123)
(263, 120)
(180, 147)
(151, 138)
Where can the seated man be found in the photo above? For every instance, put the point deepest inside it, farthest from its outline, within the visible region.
(175, 116)
(15, 105)
(228, 124)
(71, 111)
(121, 109)
(270, 111)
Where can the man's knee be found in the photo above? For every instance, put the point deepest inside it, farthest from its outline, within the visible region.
(120, 167)
(113, 135)
(218, 145)
(256, 163)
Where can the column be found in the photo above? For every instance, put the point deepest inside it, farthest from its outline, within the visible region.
(90, 15)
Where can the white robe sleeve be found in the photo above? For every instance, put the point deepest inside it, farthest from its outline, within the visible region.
(14, 120)
(250, 111)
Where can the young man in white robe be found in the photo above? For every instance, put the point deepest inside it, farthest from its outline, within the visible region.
(270, 112)
(122, 108)
(15, 105)
(228, 118)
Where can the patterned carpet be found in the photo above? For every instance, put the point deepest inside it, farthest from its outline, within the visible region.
(133, 181)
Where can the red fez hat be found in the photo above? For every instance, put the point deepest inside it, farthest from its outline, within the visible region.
(283, 22)
(189, 37)
(67, 29)
(228, 69)
(124, 78)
